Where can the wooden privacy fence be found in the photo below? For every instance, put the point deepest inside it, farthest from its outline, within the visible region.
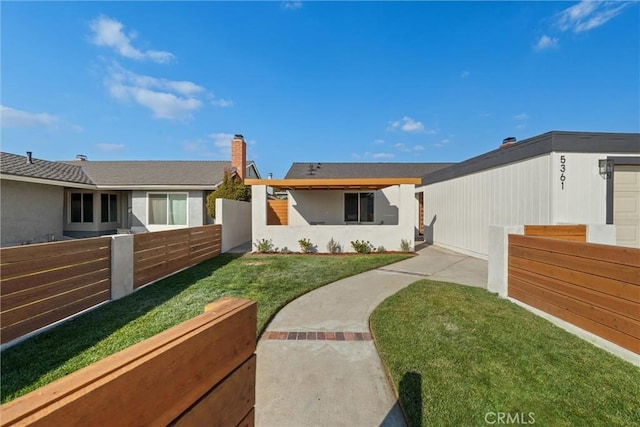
(595, 287)
(277, 212)
(576, 233)
(201, 372)
(44, 283)
(162, 253)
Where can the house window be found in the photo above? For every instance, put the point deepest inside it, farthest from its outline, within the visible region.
(108, 207)
(167, 208)
(358, 207)
(81, 207)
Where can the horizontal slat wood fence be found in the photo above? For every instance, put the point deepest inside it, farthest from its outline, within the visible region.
(595, 287)
(159, 254)
(277, 212)
(576, 233)
(44, 283)
(201, 372)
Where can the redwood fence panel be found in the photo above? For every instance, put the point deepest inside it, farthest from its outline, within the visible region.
(577, 233)
(201, 372)
(44, 283)
(159, 254)
(595, 287)
(277, 212)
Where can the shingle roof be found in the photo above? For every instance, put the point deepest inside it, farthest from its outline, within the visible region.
(13, 164)
(143, 172)
(363, 170)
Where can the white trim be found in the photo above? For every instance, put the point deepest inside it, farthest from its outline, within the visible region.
(167, 225)
(157, 188)
(47, 181)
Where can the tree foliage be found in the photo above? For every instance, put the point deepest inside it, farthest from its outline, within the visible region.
(231, 188)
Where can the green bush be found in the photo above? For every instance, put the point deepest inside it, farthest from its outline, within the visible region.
(264, 245)
(231, 188)
(381, 249)
(362, 247)
(405, 246)
(305, 245)
(333, 246)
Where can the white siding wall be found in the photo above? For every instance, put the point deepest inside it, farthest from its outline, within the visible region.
(458, 212)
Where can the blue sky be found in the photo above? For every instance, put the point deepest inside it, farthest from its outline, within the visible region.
(311, 81)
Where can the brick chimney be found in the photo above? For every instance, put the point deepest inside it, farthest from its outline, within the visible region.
(239, 156)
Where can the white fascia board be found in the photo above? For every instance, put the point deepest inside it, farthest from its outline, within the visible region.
(158, 187)
(45, 181)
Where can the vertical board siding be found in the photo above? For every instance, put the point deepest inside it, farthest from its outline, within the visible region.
(595, 287)
(576, 233)
(277, 212)
(162, 253)
(42, 284)
(201, 372)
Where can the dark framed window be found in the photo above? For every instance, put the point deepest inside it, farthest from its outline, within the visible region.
(358, 207)
(81, 207)
(108, 207)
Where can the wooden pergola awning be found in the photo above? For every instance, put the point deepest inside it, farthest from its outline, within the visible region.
(333, 183)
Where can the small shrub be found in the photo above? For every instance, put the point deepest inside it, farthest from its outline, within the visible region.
(285, 250)
(333, 247)
(405, 246)
(264, 245)
(361, 247)
(381, 249)
(305, 245)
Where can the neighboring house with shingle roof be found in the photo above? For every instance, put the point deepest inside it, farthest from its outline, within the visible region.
(377, 202)
(45, 200)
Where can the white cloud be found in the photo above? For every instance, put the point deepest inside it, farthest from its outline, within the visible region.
(406, 124)
(222, 140)
(10, 117)
(465, 74)
(418, 148)
(382, 155)
(110, 33)
(110, 147)
(403, 147)
(521, 116)
(442, 143)
(546, 42)
(219, 102)
(588, 14)
(400, 146)
(167, 99)
(378, 142)
(291, 5)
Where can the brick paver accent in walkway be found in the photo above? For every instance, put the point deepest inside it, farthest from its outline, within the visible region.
(317, 336)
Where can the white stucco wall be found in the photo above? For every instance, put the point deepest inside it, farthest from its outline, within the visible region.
(327, 205)
(309, 206)
(30, 212)
(235, 218)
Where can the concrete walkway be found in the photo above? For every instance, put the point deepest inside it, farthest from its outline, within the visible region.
(317, 364)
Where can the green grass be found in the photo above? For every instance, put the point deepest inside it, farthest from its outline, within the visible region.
(456, 353)
(272, 281)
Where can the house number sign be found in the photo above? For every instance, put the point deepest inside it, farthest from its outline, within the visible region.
(563, 169)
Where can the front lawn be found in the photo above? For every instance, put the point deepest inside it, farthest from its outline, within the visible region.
(462, 356)
(272, 281)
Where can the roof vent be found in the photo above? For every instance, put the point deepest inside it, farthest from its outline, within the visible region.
(508, 141)
(81, 157)
(29, 157)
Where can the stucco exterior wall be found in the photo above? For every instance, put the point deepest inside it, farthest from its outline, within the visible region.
(30, 212)
(235, 218)
(318, 206)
